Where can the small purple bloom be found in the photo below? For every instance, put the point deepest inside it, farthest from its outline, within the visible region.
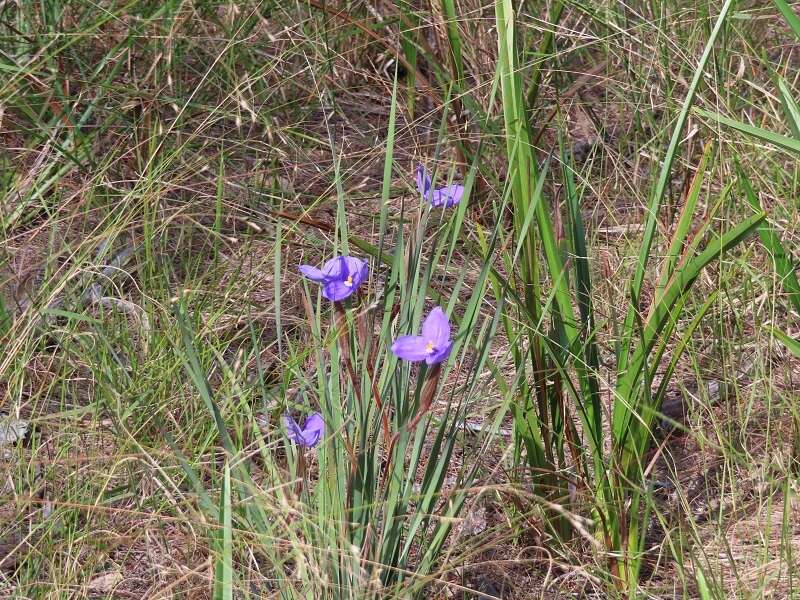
(447, 196)
(309, 434)
(433, 346)
(340, 276)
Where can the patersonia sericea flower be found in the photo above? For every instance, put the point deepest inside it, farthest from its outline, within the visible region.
(446, 196)
(309, 434)
(433, 346)
(340, 276)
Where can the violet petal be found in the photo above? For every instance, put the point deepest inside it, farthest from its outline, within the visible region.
(447, 196)
(436, 328)
(313, 273)
(336, 291)
(413, 348)
(439, 354)
(423, 182)
(313, 430)
(293, 431)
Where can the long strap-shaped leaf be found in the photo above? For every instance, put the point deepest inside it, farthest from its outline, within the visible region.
(683, 229)
(661, 186)
(784, 262)
(589, 407)
(766, 135)
(792, 344)
(627, 409)
(789, 15)
(223, 570)
(522, 177)
(790, 107)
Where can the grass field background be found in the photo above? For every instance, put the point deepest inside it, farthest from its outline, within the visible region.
(619, 416)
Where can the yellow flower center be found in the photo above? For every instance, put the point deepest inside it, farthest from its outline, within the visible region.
(349, 281)
(429, 348)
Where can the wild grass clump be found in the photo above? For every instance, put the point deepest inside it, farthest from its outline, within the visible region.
(371, 514)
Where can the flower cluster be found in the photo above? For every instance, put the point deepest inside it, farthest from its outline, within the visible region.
(343, 275)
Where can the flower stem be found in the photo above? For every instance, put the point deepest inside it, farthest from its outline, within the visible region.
(344, 350)
(301, 472)
(426, 397)
(340, 324)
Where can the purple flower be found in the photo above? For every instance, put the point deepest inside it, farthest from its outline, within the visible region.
(307, 436)
(446, 196)
(340, 276)
(433, 346)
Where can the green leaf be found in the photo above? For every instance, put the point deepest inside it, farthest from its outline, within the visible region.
(684, 226)
(678, 350)
(191, 362)
(790, 16)
(627, 413)
(765, 135)
(5, 318)
(790, 107)
(702, 585)
(454, 37)
(661, 186)
(590, 406)
(204, 500)
(223, 569)
(545, 48)
(522, 181)
(71, 315)
(783, 261)
(791, 343)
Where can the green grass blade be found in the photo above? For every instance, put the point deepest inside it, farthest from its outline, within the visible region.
(522, 165)
(590, 405)
(408, 44)
(626, 407)
(545, 48)
(5, 318)
(791, 343)
(204, 500)
(192, 364)
(454, 37)
(788, 13)
(223, 570)
(678, 350)
(764, 135)
(683, 228)
(662, 182)
(702, 585)
(790, 107)
(530, 424)
(387, 170)
(783, 261)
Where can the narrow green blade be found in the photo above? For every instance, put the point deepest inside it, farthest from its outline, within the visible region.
(223, 570)
(784, 263)
(661, 186)
(790, 107)
(765, 135)
(789, 14)
(791, 343)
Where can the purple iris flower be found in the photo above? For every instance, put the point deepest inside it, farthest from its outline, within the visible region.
(433, 346)
(340, 276)
(309, 434)
(446, 196)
